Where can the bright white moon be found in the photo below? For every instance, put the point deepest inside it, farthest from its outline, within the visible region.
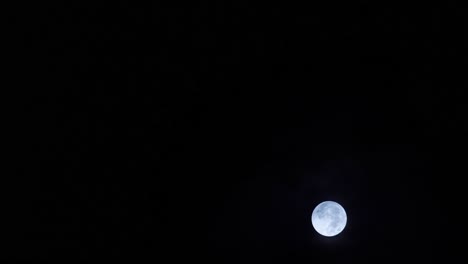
(329, 218)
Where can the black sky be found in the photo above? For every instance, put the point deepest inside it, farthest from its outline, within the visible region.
(210, 132)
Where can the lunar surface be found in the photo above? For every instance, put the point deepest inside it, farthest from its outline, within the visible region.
(329, 218)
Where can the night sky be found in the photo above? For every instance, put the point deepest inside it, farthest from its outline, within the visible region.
(209, 132)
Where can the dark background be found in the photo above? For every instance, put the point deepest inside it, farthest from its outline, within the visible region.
(210, 132)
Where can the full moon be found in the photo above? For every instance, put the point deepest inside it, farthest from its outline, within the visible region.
(329, 218)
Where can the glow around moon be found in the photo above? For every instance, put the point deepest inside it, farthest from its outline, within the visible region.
(329, 218)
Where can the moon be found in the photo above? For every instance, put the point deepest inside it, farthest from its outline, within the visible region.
(329, 218)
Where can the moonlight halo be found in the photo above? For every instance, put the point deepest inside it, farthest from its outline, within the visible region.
(329, 218)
